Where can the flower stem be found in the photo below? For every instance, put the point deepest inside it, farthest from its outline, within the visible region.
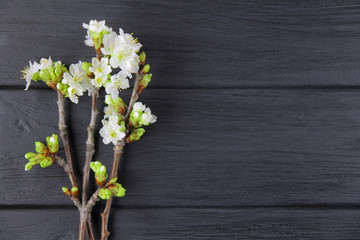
(90, 146)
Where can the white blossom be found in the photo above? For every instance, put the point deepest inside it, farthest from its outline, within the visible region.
(139, 107)
(100, 68)
(45, 63)
(29, 71)
(110, 111)
(74, 93)
(88, 39)
(125, 58)
(130, 40)
(77, 78)
(147, 117)
(110, 41)
(98, 81)
(96, 26)
(111, 130)
(117, 82)
(122, 51)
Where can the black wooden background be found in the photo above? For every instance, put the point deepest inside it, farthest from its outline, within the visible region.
(258, 132)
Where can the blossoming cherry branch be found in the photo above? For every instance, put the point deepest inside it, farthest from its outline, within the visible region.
(117, 60)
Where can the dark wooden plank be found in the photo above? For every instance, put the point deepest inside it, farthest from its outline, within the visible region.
(189, 224)
(208, 148)
(198, 44)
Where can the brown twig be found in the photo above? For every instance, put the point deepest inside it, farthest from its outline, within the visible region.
(65, 139)
(61, 162)
(68, 166)
(118, 149)
(90, 146)
(85, 216)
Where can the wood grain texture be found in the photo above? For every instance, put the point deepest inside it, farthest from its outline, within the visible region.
(244, 224)
(197, 44)
(231, 148)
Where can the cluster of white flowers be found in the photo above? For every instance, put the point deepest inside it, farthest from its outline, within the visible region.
(119, 51)
(141, 115)
(35, 67)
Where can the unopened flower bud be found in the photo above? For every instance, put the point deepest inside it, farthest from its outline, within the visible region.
(135, 117)
(59, 86)
(122, 127)
(117, 190)
(135, 135)
(95, 166)
(100, 172)
(40, 147)
(117, 103)
(28, 166)
(52, 73)
(146, 68)
(46, 162)
(30, 155)
(85, 66)
(58, 66)
(75, 191)
(142, 58)
(104, 193)
(53, 143)
(34, 159)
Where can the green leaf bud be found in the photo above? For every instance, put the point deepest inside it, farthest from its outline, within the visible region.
(117, 190)
(146, 68)
(28, 166)
(75, 191)
(142, 58)
(85, 66)
(66, 191)
(144, 82)
(53, 143)
(46, 162)
(104, 193)
(40, 147)
(30, 155)
(135, 135)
